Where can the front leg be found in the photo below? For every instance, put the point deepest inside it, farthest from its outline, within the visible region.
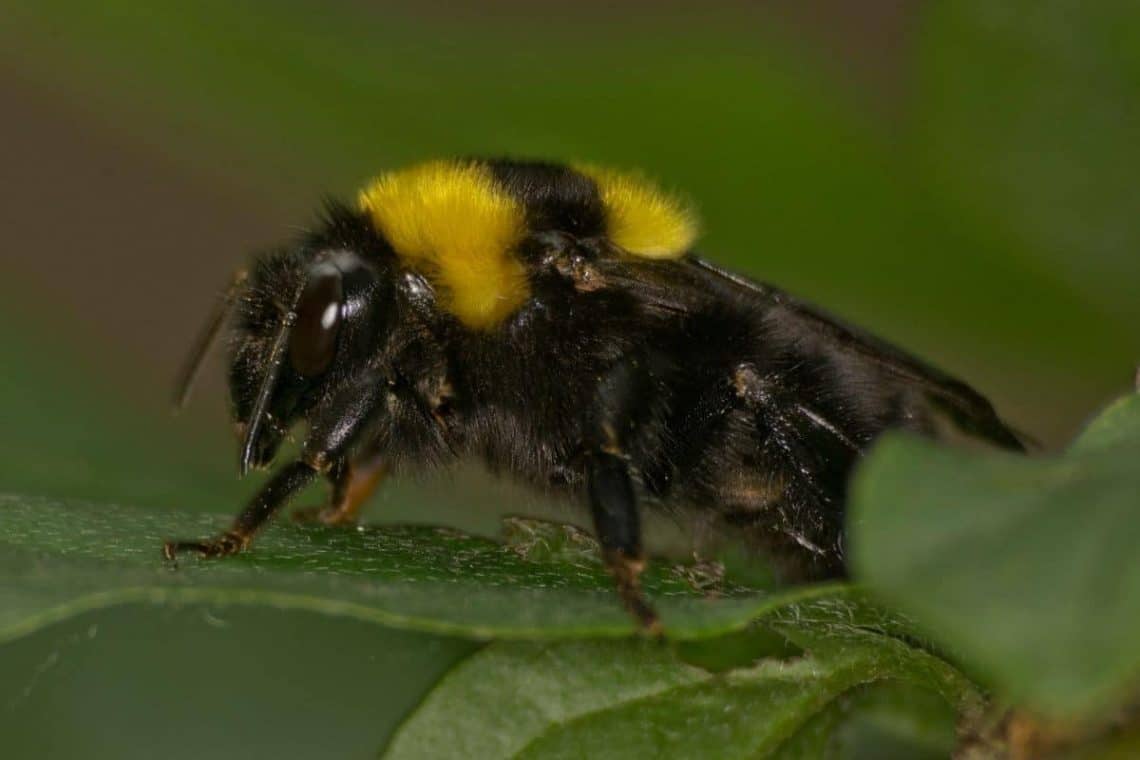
(335, 427)
(622, 404)
(284, 484)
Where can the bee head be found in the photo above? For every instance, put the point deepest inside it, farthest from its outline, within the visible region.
(302, 323)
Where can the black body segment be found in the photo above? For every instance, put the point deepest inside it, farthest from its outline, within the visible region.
(555, 197)
(621, 380)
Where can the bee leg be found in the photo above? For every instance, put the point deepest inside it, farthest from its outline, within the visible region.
(620, 402)
(281, 487)
(619, 531)
(332, 432)
(353, 483)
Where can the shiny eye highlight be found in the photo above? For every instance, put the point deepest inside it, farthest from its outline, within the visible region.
(312, 343)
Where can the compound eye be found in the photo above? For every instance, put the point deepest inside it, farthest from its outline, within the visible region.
(312, 343)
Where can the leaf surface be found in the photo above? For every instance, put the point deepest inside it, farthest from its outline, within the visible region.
(1027, 567)
(636, 699)
(58, 558)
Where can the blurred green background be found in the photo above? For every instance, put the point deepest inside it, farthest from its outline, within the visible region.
(959, 177)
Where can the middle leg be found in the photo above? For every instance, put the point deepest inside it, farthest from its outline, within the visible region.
(621, 408)
(353, 484)
(618, 528)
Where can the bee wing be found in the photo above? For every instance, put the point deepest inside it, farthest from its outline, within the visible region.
(968, 410)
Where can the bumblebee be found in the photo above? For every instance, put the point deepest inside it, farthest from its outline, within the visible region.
(556, 323)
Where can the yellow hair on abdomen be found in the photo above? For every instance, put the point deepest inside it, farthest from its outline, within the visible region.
(451, 221)
(641, 218)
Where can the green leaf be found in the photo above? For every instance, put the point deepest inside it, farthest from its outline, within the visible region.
(61, 558)
(637, 699)
(212, 682)
(1026, 567)
(892, 721)
(883, 721)
(502, 698)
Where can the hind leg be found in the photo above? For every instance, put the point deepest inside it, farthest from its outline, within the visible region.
(787, 489)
